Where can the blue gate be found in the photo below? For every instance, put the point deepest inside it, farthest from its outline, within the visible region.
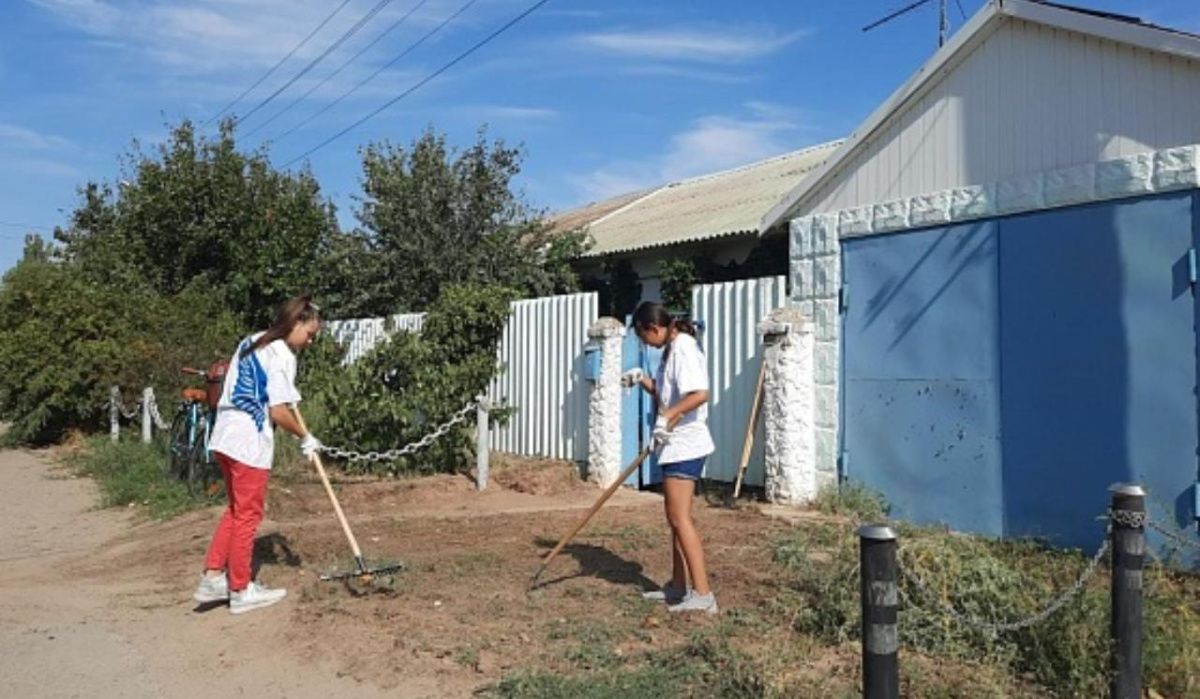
(999, 375)
(638, 412)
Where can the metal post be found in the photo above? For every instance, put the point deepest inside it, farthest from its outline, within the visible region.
(482, 443)
(1128, 551)
(147, 398)
(880, 596)
(114, 414)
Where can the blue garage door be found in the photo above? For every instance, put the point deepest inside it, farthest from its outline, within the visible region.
(998, 376)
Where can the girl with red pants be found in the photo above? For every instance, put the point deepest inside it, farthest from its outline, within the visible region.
(258, 388)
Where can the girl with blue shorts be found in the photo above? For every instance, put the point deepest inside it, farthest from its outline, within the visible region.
(680, 388)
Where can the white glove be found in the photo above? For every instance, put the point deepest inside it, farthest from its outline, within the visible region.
(662, 433)
(632, 378)
(310, 445)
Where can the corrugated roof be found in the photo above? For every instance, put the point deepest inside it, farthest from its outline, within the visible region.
(712, 206)
(564, 221)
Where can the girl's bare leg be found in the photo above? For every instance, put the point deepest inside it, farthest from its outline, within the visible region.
(679, 493)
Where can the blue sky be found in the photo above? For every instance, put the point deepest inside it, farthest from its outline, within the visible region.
(605, 95)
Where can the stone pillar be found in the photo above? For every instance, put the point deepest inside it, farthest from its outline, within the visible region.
(147, 397)
(816, 269)
(604, 404)
(789, 407)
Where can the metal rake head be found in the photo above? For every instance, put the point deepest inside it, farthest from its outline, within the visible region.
(363, 572)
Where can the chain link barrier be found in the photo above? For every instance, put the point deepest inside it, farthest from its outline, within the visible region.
(115, 403)
(997, 627)
(394, 454)
(156, 416)
(1173, 536)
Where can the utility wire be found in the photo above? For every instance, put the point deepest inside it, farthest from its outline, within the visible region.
(478, 45)
(275, 67)
(412, 47)
(15, 224)
(312, 64)
(355, 57)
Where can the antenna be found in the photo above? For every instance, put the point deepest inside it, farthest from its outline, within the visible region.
(943, 20)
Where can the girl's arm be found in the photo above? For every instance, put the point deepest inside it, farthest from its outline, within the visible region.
(282, 416)
(687, 404)
(648, 386)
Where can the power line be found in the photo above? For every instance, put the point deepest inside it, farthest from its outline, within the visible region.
(395, 25)
(478, 45)
(275, 67)
(362, 22)
(412, 47)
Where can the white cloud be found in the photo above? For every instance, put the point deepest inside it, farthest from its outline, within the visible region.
(12, 135)
(713, 143)
(502, 112)
(706, 46)
(92, 16)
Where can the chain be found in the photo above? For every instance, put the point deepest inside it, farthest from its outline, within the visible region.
(128, 414)
(156, 416)
(1173, 536)
(1001, 627)
(1131, 519)
(394, 454)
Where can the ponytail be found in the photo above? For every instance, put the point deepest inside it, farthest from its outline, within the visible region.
(294, 311)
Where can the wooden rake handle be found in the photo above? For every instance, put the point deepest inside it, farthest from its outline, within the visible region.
(337, 508)
(587, 516)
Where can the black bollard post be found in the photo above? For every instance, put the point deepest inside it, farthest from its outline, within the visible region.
(880, 596)
(1128, 551)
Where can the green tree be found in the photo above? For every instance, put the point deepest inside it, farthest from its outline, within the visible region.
(196, 210)
(433, 217)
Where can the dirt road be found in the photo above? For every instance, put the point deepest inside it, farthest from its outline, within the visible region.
(73, 625)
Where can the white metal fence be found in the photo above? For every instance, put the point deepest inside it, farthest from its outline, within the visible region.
(731, 312)
(541, 377)
(541, 355)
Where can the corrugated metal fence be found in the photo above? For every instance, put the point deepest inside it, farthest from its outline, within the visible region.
(541, 377)
(541, 354)
(731, 312)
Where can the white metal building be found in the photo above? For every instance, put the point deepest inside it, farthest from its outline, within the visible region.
(1013, 222)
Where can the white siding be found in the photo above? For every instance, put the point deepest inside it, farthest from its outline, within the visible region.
(731, 312)
(1028, 98)
(541, 376)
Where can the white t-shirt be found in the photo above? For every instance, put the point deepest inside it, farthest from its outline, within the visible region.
(684, 371)
(264, 378)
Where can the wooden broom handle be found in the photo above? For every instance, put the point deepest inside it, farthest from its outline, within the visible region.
(337, 508)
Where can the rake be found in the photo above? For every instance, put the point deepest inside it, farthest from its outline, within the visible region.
(587, 516)
(362, 571)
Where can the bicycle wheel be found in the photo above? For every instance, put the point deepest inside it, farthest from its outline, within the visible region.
(179, 448)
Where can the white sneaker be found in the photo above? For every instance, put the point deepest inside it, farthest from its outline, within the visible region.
(693, 602)
(212, 589)
(668, 593)
(254, 596)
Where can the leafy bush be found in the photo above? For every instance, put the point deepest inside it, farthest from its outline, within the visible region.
(403, 388)
(64, 340)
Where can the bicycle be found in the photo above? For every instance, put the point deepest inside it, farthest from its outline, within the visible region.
(188, 456)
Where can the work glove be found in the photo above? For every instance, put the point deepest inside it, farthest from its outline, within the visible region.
(662, 433)
(632, 378)
(310, 446)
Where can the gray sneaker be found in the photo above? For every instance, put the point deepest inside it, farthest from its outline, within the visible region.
(211, 589)
(693, 602)
(669, 594)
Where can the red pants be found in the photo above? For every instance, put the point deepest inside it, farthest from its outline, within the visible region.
(233, 543)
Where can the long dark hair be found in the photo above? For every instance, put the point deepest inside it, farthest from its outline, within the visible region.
(294, 311)
(650, 314)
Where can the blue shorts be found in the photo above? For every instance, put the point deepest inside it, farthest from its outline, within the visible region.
(689, 470)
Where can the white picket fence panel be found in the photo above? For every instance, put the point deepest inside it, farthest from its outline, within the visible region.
(541, 376)
(731, 312)
(359, 335)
